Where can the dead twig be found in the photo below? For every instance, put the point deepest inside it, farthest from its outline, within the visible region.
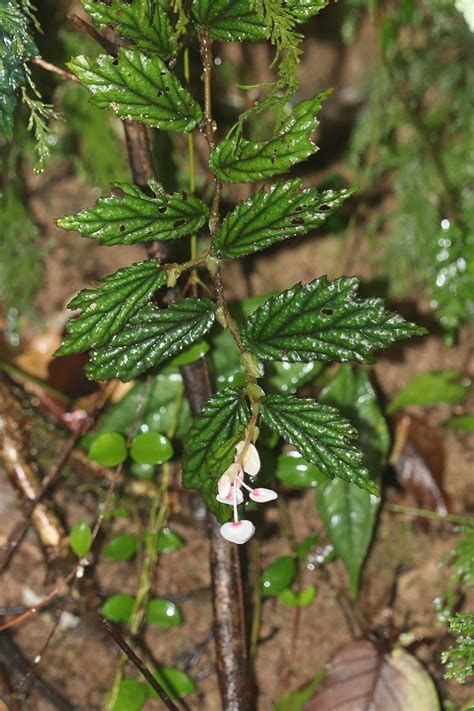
(40, 62)
(142, 668)
(19, 530)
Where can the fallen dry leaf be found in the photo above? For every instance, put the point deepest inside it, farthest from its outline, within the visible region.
(359, 677)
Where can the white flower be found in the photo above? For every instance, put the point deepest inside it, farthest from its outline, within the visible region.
(229, 487)
(238, 531)
(250, 459)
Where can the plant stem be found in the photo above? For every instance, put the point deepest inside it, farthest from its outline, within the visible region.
(426, 513)
(192, 177)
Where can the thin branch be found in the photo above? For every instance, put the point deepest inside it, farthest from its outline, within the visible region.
(84, 26)
(40, 62)
(142, 668)
(19, 530)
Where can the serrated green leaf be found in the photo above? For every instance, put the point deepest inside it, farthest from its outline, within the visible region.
(229, 20)
(108, 449)
(163, 613)
(131, 696)
(278, 576)
(151, 448)
(323, 320)
(143, 21)
(320, 434)
(138, 88)
(106, 309)
(80, 539)
(302, 10)
(16, 47)
(122, 547)
(175, 682)
(349, 513)
(215, 433)
(273, 214)
(151, 337)
(430, 388)
(118, 608)
(237, 160)
(128, 215)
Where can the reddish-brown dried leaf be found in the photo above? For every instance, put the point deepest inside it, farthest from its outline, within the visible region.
(418, 459)
(361, 678)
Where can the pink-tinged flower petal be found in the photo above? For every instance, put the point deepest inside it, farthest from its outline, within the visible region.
(229, 499)
(251, 460)
(261, 495)
(224, 486)
(238, 531)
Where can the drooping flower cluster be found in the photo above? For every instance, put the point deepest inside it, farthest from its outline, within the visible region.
(230, 487)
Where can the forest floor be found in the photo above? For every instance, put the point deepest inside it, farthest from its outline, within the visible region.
(406, 568)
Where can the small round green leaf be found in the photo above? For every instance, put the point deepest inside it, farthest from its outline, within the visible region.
(278, 576)
(289, 598)
(168, 541)
(307, 596)
(196, 351)
(122, 547)
(143, 471)
(108, 449)
(175, 682)
(163, 613)
(131, 696)
(151, 448)
(303, 598)
(80, 539)
(118, 608)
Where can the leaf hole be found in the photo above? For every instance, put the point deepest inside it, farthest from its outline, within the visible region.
(115, 61)
(325, 208)
(122, 228)
(326, 311)
(297, 221)
(179, 223)
(162, 209)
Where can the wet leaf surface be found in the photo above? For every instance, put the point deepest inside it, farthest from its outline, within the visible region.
(236, 160)
(320, 434)
(151, 337)
(138, 88)
(273, 214)
(145, 23)
(323, 320)
(128, 215)
(349, 513)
